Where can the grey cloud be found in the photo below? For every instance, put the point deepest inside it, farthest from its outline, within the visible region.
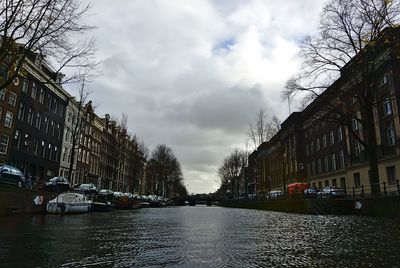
(164, 64)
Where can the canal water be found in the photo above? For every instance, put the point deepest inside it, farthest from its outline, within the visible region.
(198, 237)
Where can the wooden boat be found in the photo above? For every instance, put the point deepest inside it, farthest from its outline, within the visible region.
(69, 203)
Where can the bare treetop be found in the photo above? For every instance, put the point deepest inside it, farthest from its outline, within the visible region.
(49, 28)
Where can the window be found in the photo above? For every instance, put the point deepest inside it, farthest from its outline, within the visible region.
(8, 119)
(333, 158)
(313, 170)
(387, 106)
(2, 93)
(357, 148)
(4, 72)
(343, 182)
(326, 183)
(3, 144)
(25, 86)
(383, 79)
(66, 135)
(340, 134)
(52, 127)
(12, 98)
(332, 137)
(334, 183)
(341, 159)
(357, 182)
(312, 147)
(326, 164)
(319, 166)
(30, 116)
(33, 90)
(50, 152)
(390, 135)
(320, 185)
(354, 123)
(324, 143)
(307, 149)
(317, 144)
(21, 112)
(49, 101)
(1, 111)
(65, 154)
(69, 118)
(38, 122)
(391, 174)
(35, 146)
(41, 96)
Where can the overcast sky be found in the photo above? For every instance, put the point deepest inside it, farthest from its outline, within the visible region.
(192, 74)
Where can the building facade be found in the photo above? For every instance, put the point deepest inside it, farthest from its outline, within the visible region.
(39, 123)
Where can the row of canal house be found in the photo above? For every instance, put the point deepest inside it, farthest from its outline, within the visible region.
(38, 119)
(324, 153)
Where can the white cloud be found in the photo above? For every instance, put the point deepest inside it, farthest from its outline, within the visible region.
(192, 74)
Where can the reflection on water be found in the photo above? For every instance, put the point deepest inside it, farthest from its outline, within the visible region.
(198, 237)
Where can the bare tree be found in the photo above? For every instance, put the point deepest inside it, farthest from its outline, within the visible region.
(51, 28)
(144, 151)
(356, 41)
(166, 172)
(120, 133)
(77, 120)
(229, 171)
(262, 129)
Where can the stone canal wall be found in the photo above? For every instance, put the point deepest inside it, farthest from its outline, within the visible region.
(380, 206)
(20, 200)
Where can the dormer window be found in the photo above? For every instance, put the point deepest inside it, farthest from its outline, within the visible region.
(39, 59)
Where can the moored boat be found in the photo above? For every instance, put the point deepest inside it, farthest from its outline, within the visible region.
(102, 206)
(69, 203)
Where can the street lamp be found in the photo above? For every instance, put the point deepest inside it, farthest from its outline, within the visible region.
(301, 166)
(26, 144)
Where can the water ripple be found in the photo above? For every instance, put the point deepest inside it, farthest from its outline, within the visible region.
(198, 237)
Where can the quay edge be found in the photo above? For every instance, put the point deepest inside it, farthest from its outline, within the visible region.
(375, 206)
(18, 200)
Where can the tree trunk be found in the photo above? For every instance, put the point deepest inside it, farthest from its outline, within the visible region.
(372, 151)
(71, 163)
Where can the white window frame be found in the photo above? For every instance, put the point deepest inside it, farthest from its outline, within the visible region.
(391, 135)
(333, 159)
(387, 106)
(12, 98)
(4, 140)
(340, 134)
(3, 93)
(8, 120)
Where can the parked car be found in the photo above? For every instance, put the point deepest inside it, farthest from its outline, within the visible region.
(332, 192)
(86, 188)
(297, 188)
(11, 175)
(57, 184)
(274, 194)
(311, 193)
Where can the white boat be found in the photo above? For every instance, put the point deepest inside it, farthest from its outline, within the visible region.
(69, 203)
